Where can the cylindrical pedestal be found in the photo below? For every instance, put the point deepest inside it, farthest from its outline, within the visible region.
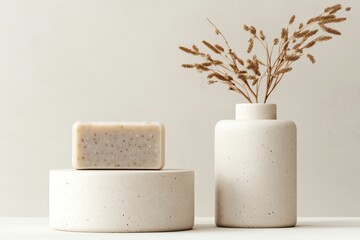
(121, 201)
(255, 169)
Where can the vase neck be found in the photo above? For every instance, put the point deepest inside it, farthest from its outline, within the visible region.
(253, 111)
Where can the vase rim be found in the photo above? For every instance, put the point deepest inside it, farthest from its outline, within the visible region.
(257, 104)
(255, 111)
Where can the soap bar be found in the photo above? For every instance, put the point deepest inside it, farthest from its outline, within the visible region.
(118, 145)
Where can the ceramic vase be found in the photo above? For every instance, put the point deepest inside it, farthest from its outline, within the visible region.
(255, 169)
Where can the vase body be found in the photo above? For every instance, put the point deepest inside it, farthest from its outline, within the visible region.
(255, 169)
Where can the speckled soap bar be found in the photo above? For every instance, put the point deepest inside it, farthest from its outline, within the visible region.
(118, 145)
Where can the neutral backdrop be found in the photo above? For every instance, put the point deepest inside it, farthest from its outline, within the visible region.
(63, 61)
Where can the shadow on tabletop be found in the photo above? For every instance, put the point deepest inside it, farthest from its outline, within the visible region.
(311, 224)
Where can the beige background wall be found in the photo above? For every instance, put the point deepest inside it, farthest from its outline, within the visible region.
(63, 61)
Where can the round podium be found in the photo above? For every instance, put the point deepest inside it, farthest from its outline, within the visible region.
(121, 200)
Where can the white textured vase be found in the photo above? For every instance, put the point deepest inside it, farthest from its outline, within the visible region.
(255, 169)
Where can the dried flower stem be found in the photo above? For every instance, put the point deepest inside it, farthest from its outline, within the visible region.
(245, 77)
(234, 62)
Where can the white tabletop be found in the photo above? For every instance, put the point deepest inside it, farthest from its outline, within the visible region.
(204, 229)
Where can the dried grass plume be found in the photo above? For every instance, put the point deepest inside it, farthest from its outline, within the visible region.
(246, 75)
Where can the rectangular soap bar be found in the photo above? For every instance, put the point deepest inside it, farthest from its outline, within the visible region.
(118, 145)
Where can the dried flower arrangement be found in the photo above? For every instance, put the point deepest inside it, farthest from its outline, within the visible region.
(245, 76)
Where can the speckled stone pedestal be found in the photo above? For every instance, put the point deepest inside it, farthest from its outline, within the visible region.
(121, 201)
(255, 169)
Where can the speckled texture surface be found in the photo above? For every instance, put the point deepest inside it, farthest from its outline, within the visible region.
(121, 201)
(117, 145)
(255, 169)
